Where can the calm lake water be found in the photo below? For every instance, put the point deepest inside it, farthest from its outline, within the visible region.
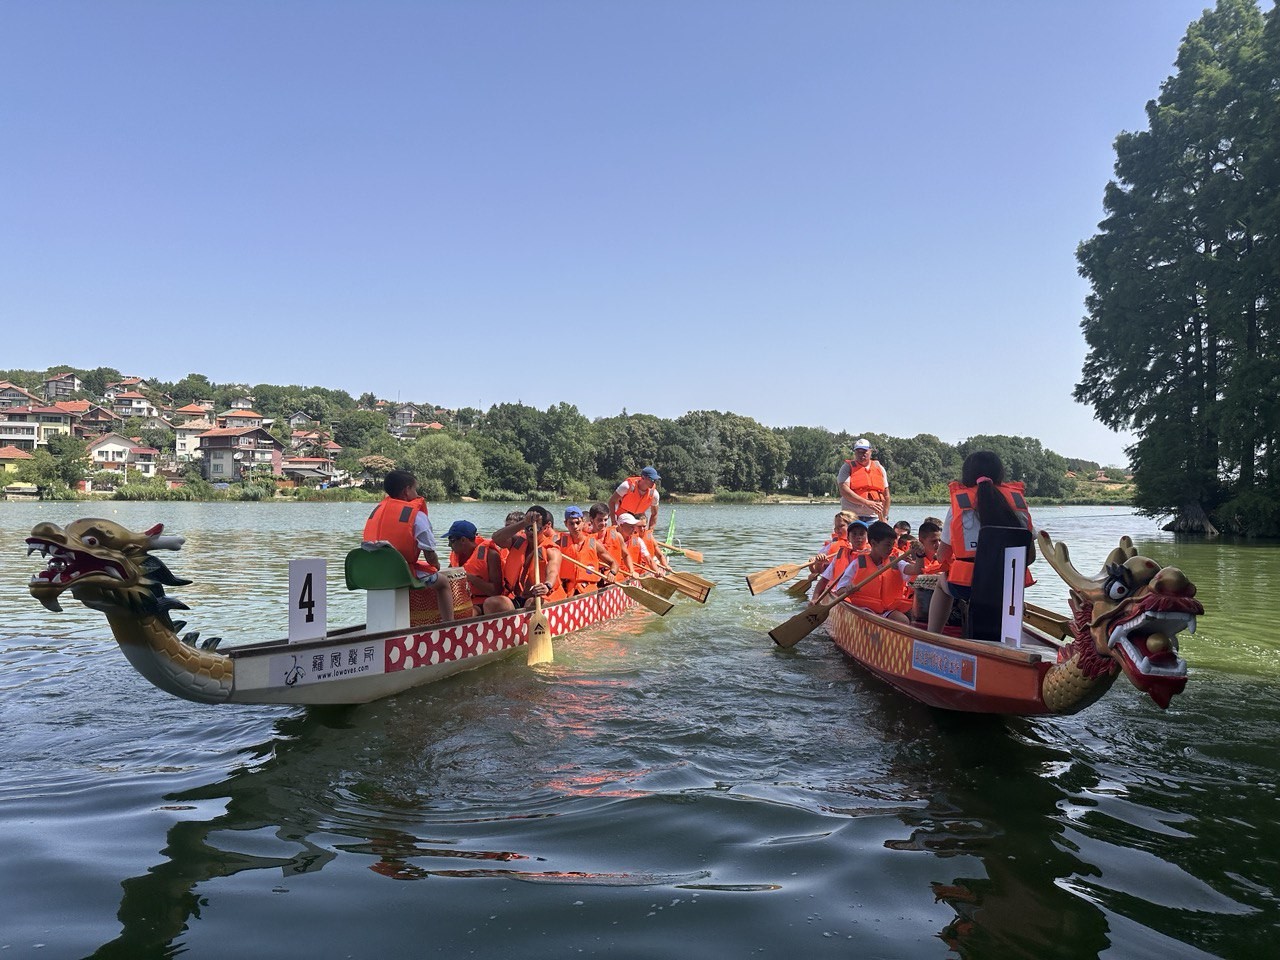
(668, 787)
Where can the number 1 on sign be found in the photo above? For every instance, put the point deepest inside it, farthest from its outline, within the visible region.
(308, 614)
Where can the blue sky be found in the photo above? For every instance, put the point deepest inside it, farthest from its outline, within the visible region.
(855, 215)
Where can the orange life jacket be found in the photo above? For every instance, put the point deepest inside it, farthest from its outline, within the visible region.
(517, 568)
(633, 501)
(576, 580)
(965, 526)
(869, 482)
(477, 564)
(886, 592)
(840, 559)
(392, 521)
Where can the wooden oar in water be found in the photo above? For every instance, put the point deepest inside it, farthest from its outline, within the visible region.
(655, 603)
(765, 579)
(801, 587)
(540, 650)
(662, 588)
(791, 632)
(696, 583)
(693, 555)
(691, 590)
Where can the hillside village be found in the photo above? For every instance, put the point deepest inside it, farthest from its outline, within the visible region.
(228, 445)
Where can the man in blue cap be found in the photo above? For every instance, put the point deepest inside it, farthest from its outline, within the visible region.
(637, 495)
(482, 562)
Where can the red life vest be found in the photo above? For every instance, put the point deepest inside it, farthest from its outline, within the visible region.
(392, 521)
(965, 526)
(633, 501)
(869, 482)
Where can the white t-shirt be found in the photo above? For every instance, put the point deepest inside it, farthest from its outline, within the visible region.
(625, 487)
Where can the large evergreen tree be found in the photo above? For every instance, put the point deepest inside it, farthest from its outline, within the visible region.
(1180, 317)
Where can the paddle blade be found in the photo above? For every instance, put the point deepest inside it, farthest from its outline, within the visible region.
(791, 632)
(662, 588)
(655, 603)
(693, 578)
(539, 638)
(765, 579)
(690, 590)
(693, 555)
(801, 587)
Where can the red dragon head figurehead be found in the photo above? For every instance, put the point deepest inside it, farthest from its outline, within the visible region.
(1132, 612)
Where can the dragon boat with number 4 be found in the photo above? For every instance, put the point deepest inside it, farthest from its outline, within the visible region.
(1126, 619)
(112, 569)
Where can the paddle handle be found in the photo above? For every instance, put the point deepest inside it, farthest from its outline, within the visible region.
(537, 568)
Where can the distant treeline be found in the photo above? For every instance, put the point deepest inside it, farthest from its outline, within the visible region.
(512, 450)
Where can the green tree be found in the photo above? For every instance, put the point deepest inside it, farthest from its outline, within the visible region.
(358, 428)
(809, 467)
(447, 467)
(1179, 348)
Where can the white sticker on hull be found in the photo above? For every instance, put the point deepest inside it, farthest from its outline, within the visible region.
(360, 659)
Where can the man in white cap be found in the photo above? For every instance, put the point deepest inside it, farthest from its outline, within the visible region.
(637, 495)
(864, 486)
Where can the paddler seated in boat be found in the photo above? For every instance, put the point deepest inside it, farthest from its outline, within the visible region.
(400, 519)
(577, 544)
(885, 595)
(922, 557)
(902, 530)
(854, 544)
(657, 559)
(637, 496)
(981, 496)
(482, 562)
(634, 549)
(607, 535)
(839, 535)
(518, 578)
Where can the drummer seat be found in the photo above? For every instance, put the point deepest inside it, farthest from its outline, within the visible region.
(985, 615)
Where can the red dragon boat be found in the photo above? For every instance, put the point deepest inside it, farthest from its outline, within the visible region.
(1126, 620)
(112, 569)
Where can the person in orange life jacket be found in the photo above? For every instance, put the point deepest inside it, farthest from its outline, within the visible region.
(922, 557)
(482, 562)
(902, 530)
(577, 544)
(517, 567)
(635, 550)
(610, 538)
(839, 535)
(981, 496)
(400, 519)
(657, 559)
(637, 496)
(885, 595)
(854, 544)
(864, 486)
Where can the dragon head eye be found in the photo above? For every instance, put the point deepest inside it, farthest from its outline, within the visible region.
(1119, 582)
(89, 541)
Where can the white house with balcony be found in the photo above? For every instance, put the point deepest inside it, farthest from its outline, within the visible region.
(112, 451)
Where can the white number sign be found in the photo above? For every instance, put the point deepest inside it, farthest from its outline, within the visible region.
(308, 599)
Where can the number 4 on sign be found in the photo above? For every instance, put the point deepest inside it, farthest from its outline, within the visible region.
(308, 599)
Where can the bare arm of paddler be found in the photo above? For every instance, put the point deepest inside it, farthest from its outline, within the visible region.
(505, 537)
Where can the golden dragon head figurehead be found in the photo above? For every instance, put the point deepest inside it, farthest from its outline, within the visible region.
(1132, 612)
(104, 565)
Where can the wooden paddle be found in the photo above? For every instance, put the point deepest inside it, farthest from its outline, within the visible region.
(539, 627)
(657, 585)
(654, 602)
(694, 582)
(801, 587)
(693, 555)
(759, 582)
(692, 591)
(791, 632)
